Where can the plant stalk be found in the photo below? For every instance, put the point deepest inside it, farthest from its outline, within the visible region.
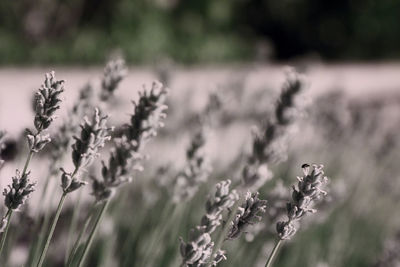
(53, 226)
(273, 253)
(3, 238)
(28, 160)
(79, 238)
(92, 233)
(40, 240)
(73, 224)
(37, 244)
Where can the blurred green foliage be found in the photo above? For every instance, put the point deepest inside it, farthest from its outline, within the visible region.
(87, 31)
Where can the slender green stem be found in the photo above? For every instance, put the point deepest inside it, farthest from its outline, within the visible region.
(79, 238)
(39, 225)
(3, 238)
(72, 226)
(273, 253)
(28, 159)
(42, 233)
(39, 243)
(92, 233)
(53, 226)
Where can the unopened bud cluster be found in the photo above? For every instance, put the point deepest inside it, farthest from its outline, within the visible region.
(94, 133)
(93, 136)
(19, 191)
(197, 168)
(114, 72)
(149, 111)
(69, 182)
(198, 250)
(247, 214)
(47, 101)
(270, 144)
(62, 138)
(309, 189)
(37, 142)
(196, 171)
(126, 154)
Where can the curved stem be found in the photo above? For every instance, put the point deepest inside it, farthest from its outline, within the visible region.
(42, 234)
(3, 238)
(273, 253)
(41, 227)
(79, 238)
(53, 226)
(28, 159)
(92, 233)
(73, 224)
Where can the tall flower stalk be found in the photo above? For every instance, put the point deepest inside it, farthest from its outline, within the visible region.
(269, 146)
(197, 168)
(196, 171)
(61, 142)
(114, 72)
(304, 196)
(186, 182)
(47, 100)
(126, 155)
(94, 134)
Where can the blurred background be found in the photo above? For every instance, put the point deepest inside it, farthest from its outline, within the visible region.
(349, 51)
(87, 31)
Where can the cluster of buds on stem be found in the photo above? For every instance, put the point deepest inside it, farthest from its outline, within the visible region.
(270, 144)
(196, 171)
(114, 72)
(198, 167)
(309, 189)
(247, 214)
(93, 136)
(198, 250)
(94, 133)
(47, 103)
(126, 154)
(62, 138)
(19, 191)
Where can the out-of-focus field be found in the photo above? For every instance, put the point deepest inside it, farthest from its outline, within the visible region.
(350, 124)
(356, 80)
